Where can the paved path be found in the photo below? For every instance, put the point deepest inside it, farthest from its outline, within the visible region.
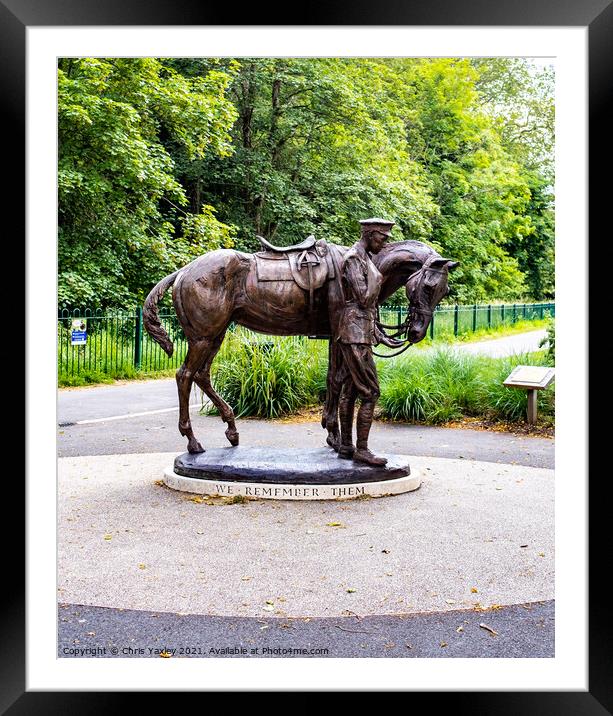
(159, 433)
(508, 345)
(522, 631)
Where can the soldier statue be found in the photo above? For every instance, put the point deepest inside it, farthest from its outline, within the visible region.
(355, 373)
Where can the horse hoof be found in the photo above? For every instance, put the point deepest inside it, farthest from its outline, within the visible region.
(194, 447)
(333, 442)
(232, 436)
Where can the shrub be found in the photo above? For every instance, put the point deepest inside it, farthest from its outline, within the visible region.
(272, 378)
(442, 385)
(279, 376)
(432, 387)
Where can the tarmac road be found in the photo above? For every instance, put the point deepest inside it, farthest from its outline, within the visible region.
(159, 433)
(521, 631)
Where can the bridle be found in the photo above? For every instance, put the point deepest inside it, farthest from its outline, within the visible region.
(405, 326)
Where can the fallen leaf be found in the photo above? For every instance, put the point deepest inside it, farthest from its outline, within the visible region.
(335, 524)
(385, 551)
(142, 566)
(108, 537)
(474, 590)
(158, 483)
(488, 628)
(443, 643)
(197, 499)
(269, 601)
(460, 629)
(165, 654)
(350, 590)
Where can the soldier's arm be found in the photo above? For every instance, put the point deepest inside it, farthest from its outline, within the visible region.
(354, 276)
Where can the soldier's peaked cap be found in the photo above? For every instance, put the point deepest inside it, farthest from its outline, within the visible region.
(383, 225)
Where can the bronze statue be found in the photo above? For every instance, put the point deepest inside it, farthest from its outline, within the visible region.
(299, 290)
(353, 370)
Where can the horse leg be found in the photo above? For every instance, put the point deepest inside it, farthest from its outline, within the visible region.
(334, 381)
(196, 355)
(203, 380)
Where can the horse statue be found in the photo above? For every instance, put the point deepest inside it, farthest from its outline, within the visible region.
(284, 291)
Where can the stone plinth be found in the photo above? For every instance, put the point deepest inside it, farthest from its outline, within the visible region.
(287, 474)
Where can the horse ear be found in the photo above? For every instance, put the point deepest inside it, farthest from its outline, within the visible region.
(441, 263)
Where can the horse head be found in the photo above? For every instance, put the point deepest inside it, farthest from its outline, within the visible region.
(425, 289)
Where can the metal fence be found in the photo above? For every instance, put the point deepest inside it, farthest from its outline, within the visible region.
(118, 345)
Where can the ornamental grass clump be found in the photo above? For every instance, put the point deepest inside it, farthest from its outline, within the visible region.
(269, 378)
(443, 385)
(432, 387)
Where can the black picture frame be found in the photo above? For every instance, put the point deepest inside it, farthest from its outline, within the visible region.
(597, 15)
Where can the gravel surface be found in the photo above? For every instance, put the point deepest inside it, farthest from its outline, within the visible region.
(126, 542)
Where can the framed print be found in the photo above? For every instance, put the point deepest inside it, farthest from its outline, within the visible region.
(33, 37)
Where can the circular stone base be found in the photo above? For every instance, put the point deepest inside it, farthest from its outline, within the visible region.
(288, 474)
(294, 491)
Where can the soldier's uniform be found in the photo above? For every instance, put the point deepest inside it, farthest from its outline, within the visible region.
(354, 363)
(361, 282)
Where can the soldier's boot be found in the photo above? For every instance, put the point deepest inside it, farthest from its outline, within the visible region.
(363, 423)
(346, 448)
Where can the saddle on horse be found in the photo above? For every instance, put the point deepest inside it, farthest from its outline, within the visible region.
(308, 264)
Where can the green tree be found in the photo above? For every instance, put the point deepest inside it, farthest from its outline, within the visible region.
(478, 188)
(162, 160)
(122, 217)
(318, 145)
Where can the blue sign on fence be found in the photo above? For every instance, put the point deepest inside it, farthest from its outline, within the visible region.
(78, 334)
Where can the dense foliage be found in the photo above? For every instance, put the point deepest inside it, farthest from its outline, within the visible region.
(161, 160)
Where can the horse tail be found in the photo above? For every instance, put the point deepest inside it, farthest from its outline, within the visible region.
(151, 317)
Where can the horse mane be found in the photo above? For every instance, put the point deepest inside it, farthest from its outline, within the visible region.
(409, 251)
